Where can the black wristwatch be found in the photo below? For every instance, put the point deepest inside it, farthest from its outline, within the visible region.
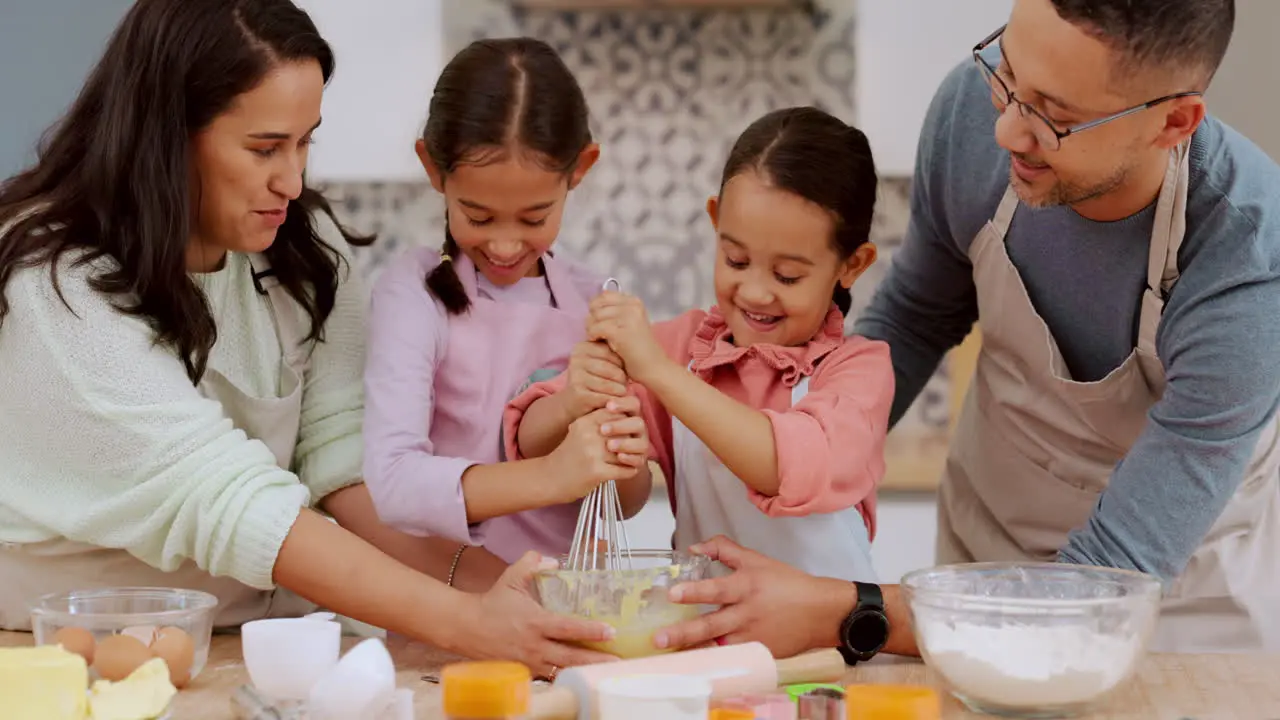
(866, 630)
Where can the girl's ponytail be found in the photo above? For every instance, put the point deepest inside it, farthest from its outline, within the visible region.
(857, 211)
(843, 298)
(443, 281)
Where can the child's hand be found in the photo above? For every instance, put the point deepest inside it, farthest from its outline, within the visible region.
(595, 377)
(621, 321)
(626, 435)
(583, 461)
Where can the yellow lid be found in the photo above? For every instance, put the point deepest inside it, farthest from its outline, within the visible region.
(486, 690)
(731, 714)
(891, 702)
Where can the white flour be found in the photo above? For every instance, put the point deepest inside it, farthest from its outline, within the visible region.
(1028, 666)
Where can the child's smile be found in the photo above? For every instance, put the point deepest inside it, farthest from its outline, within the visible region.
(762, 322)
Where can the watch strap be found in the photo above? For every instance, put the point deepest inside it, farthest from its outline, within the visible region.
(870, 597)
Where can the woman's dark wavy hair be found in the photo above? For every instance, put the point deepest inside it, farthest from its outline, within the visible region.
(511, 94)
(113, 177)
(810, 153)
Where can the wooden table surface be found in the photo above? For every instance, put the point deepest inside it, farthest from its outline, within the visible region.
(1167, 687)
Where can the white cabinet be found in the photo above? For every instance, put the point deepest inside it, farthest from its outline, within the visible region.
(388, 55)
(904, 49)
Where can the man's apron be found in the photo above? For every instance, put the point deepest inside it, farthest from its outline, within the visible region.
(31, 570)
(1033, 449)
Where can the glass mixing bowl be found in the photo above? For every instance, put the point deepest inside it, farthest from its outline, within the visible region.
(632, 600)
(1032, 640)
(109, 611)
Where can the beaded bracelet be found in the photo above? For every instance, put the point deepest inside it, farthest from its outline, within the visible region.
(453, 569)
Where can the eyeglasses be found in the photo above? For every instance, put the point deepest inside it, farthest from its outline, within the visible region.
(987, 55)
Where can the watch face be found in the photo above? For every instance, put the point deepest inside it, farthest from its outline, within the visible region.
(867, 632)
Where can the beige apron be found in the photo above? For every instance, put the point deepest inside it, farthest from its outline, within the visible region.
(711, 500)
(31, 570)
(1033, 450)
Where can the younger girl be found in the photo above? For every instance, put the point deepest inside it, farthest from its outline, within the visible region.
(455, 334)
(769, 422)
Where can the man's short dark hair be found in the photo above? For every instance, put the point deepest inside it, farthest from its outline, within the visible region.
(1184, 36)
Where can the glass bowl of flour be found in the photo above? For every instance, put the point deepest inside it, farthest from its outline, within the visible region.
(1032, 640)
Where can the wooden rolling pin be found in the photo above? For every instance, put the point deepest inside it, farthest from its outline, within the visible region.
(732, 670)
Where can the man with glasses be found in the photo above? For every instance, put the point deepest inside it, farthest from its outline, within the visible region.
(1120, 251)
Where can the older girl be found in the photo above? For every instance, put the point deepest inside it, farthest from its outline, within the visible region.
(454, 334)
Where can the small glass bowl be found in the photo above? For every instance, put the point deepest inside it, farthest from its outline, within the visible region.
(1032, 640)
(633, 600)
(109, 611)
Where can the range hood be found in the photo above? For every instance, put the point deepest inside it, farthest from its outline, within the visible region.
(806, 5)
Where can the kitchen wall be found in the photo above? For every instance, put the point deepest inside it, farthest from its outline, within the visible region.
(670, 90)
(1243, 92)
(45, 49)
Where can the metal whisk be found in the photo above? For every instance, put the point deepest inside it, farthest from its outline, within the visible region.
(600, 519)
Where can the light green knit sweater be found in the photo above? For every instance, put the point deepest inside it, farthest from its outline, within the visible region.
(104, 440)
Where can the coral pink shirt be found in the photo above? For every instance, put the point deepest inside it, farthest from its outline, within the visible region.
(830, 445)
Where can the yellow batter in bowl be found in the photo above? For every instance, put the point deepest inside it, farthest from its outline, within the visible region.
(632, 600)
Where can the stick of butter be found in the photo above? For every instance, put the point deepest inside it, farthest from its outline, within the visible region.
(43, 683)
(144, 695)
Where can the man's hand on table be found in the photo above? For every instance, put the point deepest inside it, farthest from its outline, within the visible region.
(756, 598)
(770, 602)
(509, 624)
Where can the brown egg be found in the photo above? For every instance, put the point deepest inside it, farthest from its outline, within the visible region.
(178, 650)
(76, 640)
(118, 656)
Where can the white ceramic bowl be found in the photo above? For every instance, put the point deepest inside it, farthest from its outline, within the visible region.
(1032, 640)
(286, 656)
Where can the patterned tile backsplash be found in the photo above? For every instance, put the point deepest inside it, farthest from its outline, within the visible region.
(669, 91)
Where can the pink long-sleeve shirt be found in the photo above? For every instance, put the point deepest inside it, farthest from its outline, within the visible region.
(436, 385)
(830, 445)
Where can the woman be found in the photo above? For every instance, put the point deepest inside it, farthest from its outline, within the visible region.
(181, 338)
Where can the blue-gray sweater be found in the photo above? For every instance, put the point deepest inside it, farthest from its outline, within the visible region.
(1219, 339)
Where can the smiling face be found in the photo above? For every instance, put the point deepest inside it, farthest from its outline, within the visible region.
(505, 209)
(1071, 76)
(248, 164)
(776, 267)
